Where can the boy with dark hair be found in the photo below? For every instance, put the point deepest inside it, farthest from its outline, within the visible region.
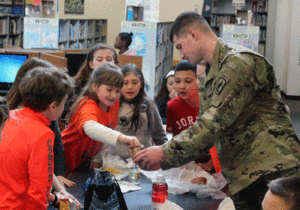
(4, 114)
(26, 149)
(183, 110)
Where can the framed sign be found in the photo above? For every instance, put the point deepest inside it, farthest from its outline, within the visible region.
(74, 7)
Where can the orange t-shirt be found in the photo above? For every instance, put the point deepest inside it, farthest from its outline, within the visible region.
(80, 148)
(26, 160)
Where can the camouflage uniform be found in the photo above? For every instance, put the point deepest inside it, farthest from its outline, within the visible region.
(242, 114)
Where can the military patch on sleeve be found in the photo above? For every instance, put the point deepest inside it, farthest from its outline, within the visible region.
(221, 84)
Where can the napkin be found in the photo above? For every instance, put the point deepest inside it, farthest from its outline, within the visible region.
(167, 205)
(227, 204)
(128, 187)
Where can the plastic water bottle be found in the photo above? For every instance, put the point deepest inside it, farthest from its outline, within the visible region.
(159, 192)
(134, 175)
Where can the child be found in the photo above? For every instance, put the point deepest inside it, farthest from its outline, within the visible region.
(183, 111)
(26, 149)
(165, 94)
(123, 40)
(138, 114)
(100, 53)
(14, 101)
(97, 104)
(4, 114)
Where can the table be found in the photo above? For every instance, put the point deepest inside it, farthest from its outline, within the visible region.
(142, 199)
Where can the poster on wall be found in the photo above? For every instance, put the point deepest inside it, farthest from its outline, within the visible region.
(138, 44)
(240, 36)
(150, 8)
(74, 7)
(40, 33)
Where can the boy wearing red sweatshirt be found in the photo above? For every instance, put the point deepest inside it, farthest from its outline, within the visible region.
(26, 148)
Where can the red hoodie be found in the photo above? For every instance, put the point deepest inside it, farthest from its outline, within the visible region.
(26, 161)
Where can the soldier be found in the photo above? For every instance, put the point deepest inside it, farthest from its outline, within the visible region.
(240, 112)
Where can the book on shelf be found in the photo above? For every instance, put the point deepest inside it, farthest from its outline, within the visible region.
(266, 4)
(17, 10)
(4, 10)
(254, 6)
(261, 48)
(13, 27)
(72, 32)
(3, 26)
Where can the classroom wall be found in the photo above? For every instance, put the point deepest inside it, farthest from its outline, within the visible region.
(169, 9)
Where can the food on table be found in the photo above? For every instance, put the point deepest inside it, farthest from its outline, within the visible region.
(112, 170)
(199, 180)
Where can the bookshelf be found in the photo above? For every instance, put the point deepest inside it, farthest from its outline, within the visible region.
(11, 30)
(81, 34)
(255, 13)
(151, 41)
(219, 19)
(164, 53)
(11, 22)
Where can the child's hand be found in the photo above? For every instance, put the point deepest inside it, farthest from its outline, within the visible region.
(66, 182)
(129, 141)
(54, 199)
(173, 94)
(94, 165)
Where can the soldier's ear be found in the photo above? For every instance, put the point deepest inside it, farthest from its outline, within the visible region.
(194, 34)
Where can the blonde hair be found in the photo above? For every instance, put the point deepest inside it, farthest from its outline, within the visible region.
(43, 85)
(104, 74)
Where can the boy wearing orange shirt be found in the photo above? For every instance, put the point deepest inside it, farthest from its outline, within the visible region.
(26, 148)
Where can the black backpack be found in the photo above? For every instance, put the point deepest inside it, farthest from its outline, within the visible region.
(103, 192)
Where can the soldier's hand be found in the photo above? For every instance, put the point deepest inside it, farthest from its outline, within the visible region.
(150, 159)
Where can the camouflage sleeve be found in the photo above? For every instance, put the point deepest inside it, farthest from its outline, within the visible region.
(236, 85)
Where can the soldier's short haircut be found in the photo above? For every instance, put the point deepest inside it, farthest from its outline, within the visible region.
(185, 65)
(43, 85)
(288, 188)
(185, 20)
(4, 111)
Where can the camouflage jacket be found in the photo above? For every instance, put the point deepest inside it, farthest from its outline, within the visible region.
(241, 113)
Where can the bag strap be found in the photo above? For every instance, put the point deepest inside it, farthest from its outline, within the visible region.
(89, 196)
(121, 199)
